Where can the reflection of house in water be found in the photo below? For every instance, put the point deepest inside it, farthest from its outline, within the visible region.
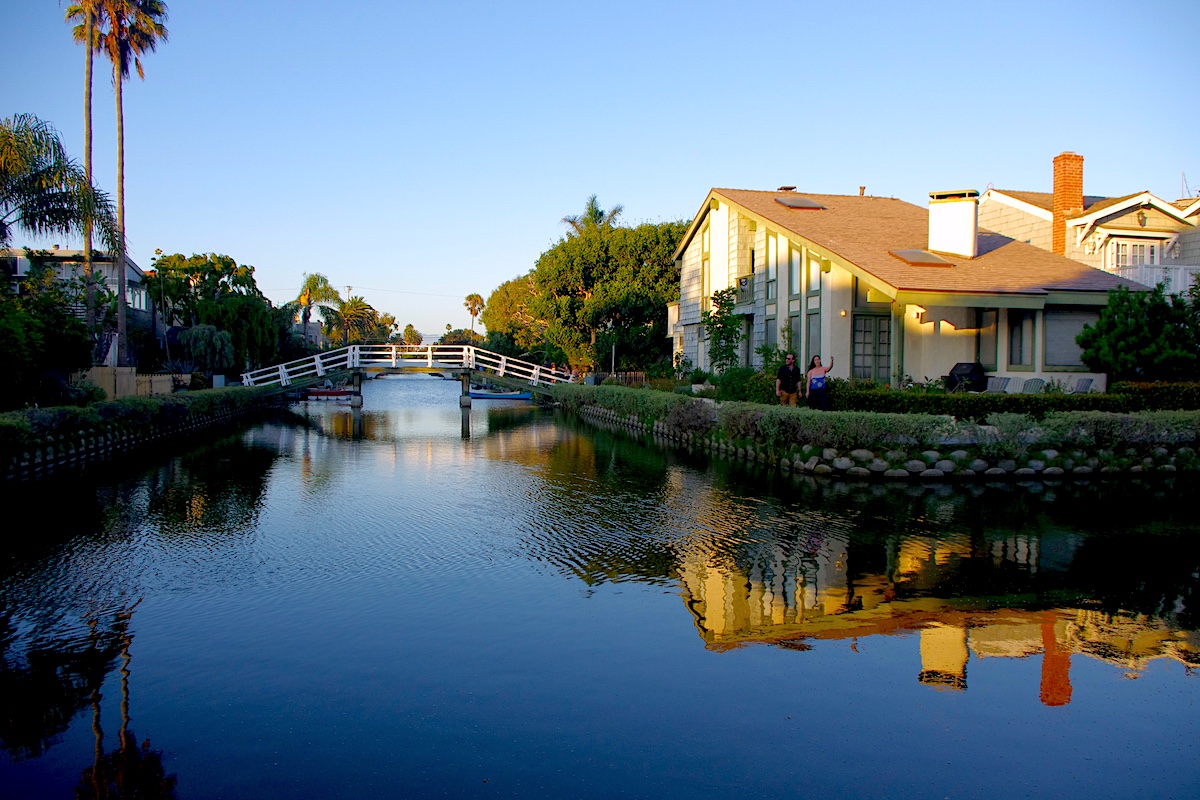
(964, 598)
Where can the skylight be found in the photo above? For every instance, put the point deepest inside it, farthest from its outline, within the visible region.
(920, 258)
(798, 201)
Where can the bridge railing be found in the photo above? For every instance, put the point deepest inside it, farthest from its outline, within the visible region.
(400, 357)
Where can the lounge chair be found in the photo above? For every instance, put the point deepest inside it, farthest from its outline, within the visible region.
(996, 385)
(1082, 386)
(1033, 386)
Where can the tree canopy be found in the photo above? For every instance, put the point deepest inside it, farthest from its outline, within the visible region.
(1145, 336)
(602, 285)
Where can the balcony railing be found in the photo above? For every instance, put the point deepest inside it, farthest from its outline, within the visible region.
(1177, 277)
(745, 290)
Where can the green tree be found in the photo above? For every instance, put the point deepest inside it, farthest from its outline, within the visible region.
(43, 191)
(350, 321)
(412, 335)
(315, 290)
(44, 342)
(1144, 336)
(128, 30)
(462, 336)
(211, 349)
(507, 314)
(723, 329)
(602, 285)
(474, 306)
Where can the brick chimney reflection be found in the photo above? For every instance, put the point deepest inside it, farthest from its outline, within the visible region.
(1056, 666)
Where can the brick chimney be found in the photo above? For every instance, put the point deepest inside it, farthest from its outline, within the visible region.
(1068, 196)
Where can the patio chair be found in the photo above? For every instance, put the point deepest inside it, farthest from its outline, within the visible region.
(996, 385)
(1082, 386)
(1033, 386)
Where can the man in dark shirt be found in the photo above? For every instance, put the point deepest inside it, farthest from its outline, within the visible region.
(787, 381)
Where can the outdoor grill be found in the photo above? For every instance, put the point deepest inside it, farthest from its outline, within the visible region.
(966, 376)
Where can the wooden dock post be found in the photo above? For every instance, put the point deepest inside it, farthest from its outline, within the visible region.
(464, 401)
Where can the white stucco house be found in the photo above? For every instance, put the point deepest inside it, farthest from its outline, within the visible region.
(1138, 236)
(887, 288)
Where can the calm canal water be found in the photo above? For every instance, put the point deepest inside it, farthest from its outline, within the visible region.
(356, 606)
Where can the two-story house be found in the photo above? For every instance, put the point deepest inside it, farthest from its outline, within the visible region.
(885, 287)
(1138, 236)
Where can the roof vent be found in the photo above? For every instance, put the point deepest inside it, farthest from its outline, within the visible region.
(920, 258)
(796, 201)
(786, 189)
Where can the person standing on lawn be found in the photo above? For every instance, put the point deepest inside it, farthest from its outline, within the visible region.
(787, 382)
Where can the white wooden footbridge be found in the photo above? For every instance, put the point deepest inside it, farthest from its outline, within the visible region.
(375, 359)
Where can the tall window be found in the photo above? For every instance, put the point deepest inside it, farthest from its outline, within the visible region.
(814, 275)
(705, 271)
(872, 347)
(1020, 338)
(812, 339)
(794, 256)
(1062, 326)
(772, 334)
(772, 264)
(986, 354)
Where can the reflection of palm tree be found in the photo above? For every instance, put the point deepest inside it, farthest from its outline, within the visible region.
(314, 291)
(474, 306)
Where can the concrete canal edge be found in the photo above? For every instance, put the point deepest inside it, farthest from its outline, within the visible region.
(949, 462)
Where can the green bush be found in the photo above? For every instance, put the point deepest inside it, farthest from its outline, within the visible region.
(1159, 396)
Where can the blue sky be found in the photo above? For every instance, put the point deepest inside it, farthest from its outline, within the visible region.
(418, 152)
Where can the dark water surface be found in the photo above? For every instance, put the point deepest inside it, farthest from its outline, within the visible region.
(372, 605)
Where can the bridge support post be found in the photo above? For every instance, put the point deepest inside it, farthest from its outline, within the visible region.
(356, 389)
(464, 401)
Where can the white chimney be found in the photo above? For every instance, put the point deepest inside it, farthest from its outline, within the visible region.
(954, 222)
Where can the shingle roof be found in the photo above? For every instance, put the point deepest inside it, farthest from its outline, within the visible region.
(1046, 199)
(864, 231)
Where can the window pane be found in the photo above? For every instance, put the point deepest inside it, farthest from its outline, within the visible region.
(812, 344)
(987, 338)
(772, 258)
(814, 275)
(1061, 329)
(793, 271)
(772, 334)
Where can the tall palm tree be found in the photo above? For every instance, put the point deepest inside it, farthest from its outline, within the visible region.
(348, 321)
(593, 217)
(474, 306)
(133, 28)
(314, 291)
(42, 190)
(85, 33)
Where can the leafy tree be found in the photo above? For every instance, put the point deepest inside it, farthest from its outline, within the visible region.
(1144, 336)
(44, 342)
(412, 335)
(723, 329)
(126, 30)
(43, 191)
(602, 285)
(209, 348)
(213, 289)
(315, 290)
(508, 314)
(474, 305)
(350, 322)
(462, 336)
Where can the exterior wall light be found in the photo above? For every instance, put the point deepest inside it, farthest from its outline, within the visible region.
(843, 312)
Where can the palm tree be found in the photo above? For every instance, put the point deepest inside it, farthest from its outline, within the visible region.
(593, 217)
(85, 32)
(42, 190)
(347, 321)
(474, 305)
(129, 29)
(314, 291)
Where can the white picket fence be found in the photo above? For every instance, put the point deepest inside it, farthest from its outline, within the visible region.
(405, 358)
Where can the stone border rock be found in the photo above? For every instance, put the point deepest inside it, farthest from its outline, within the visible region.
(893, 464)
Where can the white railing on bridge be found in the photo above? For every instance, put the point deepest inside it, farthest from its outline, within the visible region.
(401, 357)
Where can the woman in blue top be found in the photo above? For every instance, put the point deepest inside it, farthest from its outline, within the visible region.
(814, 383)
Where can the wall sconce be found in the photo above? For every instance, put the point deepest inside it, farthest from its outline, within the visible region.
(843, 312)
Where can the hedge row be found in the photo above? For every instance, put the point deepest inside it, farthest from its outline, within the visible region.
(781, 429)
(20, 430)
